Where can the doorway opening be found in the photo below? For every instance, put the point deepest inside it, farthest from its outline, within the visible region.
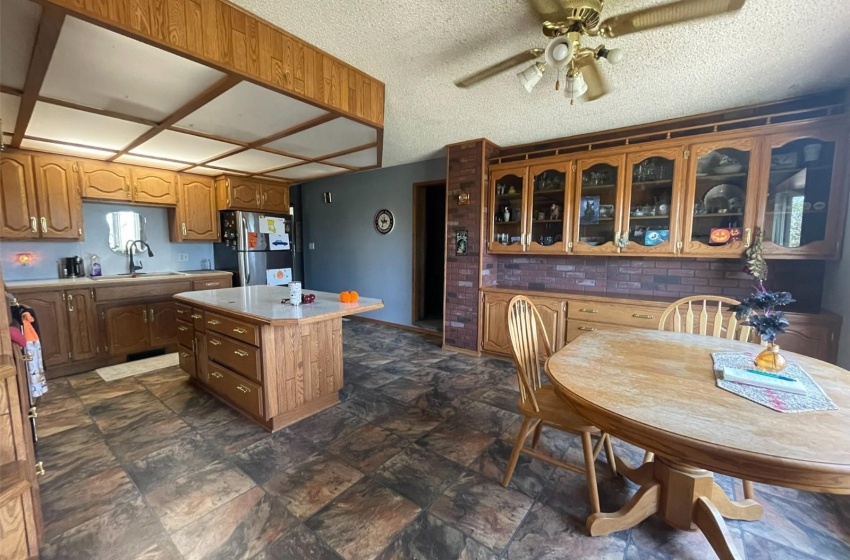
(429, 254)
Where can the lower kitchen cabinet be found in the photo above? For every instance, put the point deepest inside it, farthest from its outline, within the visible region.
(52, 316)
(126, 329)
(162, 320)
(82, 324)
(495, 335)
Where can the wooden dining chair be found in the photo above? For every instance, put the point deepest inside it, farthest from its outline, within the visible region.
(706, 316)
(540, 406)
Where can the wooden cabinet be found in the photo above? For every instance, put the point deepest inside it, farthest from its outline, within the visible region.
(237, 193)
(508, 202)
(18, 210)
(154, 186)
(50, 311)
(494, 323)
(126, 329)
(82, 324)
(57, 188)
(597, 210)
(547, 221)
(105, 181)
(553, 312)
(162, 319)
(196, 216)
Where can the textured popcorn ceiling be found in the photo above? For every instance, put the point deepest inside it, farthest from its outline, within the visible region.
(770, 50)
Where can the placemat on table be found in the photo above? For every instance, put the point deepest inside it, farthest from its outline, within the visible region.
(781, 401)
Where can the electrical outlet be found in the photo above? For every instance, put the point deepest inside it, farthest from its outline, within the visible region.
(182, 257)
(311, 246)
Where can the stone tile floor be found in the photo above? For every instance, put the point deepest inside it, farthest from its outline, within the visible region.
(407, 466)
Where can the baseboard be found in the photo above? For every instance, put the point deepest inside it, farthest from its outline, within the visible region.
(461, 350)
(394, 325)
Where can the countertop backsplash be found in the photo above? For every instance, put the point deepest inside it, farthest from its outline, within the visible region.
(46, 254)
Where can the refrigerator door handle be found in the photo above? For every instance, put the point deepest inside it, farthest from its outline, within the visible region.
(247, 268)
(244, 262)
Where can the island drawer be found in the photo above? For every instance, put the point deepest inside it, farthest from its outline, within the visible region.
(236, 389)
(184, 312)
(233, 328)
(212, 284)
(198, 319)
(185, 333)
(617, 314)
(239, 357)
(187, 359)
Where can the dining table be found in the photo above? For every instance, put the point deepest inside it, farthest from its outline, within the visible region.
(657, 390)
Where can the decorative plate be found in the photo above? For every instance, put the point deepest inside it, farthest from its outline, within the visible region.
(384, 221)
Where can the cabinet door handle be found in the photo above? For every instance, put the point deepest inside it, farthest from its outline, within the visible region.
(136, 190)
(152, 316)
(127, 188)
(144, 315)
(216, 374)
(215, 342)
(241, 353)
(196, 316)
(641, 316)
(239, 330)
(182, 329)
(243, 388)
(184, 355)
(70, 302)
(33, 224)
(39, 468)
(213, 322)
(184, 228)
(43, 224)
(586, 329)
(588, 310)
(212, 284)
(748, 237)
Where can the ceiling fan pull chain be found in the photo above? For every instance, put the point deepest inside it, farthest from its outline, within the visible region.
(558, 81)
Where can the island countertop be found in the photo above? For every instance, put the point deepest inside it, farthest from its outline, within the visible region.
(265, 303)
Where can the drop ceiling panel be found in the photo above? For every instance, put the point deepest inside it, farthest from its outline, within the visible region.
(307, 172)
(56, 148)
(185, 147)
(201, 170)
(363, 158)
(53, 122)
(149, 162)
(328, 138)
(248, 112)
(9, 105)
(18, 27)
(254, 161)
(95, 67)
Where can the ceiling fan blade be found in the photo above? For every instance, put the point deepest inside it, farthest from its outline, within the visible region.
(499, 67)
(666, 14)
(596, 84)
(549, 10)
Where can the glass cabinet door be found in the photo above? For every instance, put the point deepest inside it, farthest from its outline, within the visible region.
(651, 201)
(719, 207)
(804, 204)
(597, 203)
(547, 209)
(507, 234)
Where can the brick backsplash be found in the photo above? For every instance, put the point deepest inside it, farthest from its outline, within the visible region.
(655, 277)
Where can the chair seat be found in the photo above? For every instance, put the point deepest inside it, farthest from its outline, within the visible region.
(553, 410)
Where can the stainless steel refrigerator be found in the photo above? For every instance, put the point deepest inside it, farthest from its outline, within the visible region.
(258, 248)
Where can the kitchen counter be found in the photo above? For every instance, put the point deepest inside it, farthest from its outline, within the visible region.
(110, 280)
(274, 362)
(265, 303)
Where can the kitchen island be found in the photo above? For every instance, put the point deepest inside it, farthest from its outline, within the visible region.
(274, 362)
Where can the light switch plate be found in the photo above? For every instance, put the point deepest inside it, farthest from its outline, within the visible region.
(182, 257)
(311, 246)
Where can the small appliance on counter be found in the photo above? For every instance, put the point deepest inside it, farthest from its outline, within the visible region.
(71, 267)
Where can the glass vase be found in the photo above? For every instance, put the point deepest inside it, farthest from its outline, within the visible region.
(770, 359)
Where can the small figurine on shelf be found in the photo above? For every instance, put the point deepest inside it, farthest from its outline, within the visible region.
(555, 212)
(506, 213)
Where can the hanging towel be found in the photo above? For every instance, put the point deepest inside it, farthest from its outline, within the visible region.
(35, 365)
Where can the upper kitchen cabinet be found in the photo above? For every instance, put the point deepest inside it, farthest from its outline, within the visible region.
(275, 198)
(196, 215)
(105, 181)
(804, 201)
(508, 210)
(721, 198)
(60, 210)
(598, 202)
(547, 221)
(18, 209)
(237, 193)
(651, 201)
(154, 186)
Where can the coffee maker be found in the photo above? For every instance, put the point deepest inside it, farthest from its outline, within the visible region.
(71, 267)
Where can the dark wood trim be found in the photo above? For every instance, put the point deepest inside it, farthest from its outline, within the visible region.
(232, 152)
(10, 90)
(295, 129)
(418, 237)
(188, 108)
(49, 28)
(394, 325)
(95, 111)
(345, 152)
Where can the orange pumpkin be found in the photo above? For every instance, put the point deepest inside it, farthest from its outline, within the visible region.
(354, 296)
(345, 297)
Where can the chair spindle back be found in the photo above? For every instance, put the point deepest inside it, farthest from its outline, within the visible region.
(523, 323)
(706, 316)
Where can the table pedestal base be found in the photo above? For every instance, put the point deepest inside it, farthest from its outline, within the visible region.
(685, 497)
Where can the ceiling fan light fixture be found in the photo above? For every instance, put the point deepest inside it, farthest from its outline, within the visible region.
(574, 85)
(531, 75)
(614, 56)
(559, 52)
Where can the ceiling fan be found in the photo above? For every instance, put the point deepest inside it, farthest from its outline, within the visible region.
(566, 22)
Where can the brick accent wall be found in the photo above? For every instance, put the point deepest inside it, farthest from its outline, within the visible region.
(654, 277)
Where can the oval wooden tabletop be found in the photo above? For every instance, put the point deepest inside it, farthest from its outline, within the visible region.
(657, 390)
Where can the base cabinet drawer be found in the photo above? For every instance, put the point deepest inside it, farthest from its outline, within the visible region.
(241, 358)
(233, 328)
(212, 284)
(198, 321)
(187, 359)
(184, 312)
(185, 334)
(246, 395)
(640, 316)
(578, 328)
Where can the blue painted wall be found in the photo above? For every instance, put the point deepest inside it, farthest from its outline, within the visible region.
(349, 253)
(46, 254)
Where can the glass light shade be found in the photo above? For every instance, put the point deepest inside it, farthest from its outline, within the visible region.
(574, 85)
(615, 56)
(531, 75)
(559, 52)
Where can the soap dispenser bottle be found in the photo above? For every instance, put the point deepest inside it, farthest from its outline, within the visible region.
(95, 266)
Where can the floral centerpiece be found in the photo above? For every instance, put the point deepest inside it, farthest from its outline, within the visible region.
(759, 310)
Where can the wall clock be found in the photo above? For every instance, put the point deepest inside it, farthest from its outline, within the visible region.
(384, 221)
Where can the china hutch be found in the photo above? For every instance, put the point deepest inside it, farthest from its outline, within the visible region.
(697, 196)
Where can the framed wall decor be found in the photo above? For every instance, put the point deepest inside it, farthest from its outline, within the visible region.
(461, 241)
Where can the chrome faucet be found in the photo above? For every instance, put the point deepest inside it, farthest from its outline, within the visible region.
(137, 244)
